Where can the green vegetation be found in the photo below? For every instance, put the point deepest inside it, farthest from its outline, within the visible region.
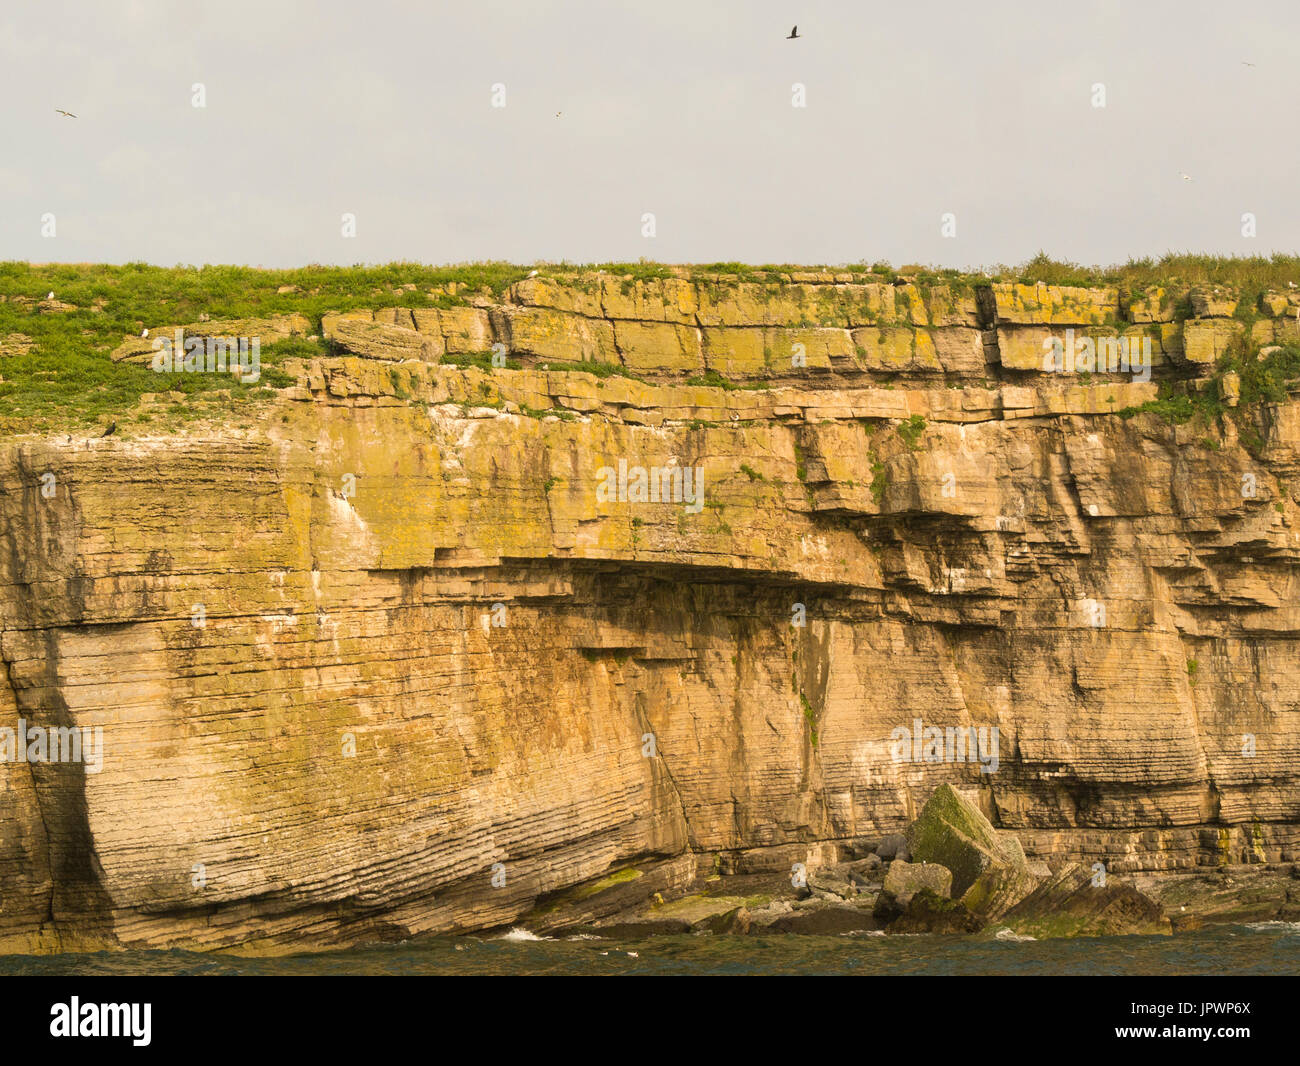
(712, 379)
(619, 877)
(482, 360)
(596, 369)
(741, 271)
(717, 508)
(1174, 270)
(55, 370)
(67, 379)
(810, 717)
(910, 430)
(1262, 378)
(879, 480)
(400, 382)
(751, 473)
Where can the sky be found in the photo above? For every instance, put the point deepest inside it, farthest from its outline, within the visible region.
(383, 110)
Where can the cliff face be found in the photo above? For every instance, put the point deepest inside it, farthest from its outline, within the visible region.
(412, 655)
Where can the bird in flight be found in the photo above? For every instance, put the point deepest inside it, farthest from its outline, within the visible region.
(1248, 64)
(1187, 177)
(794, 33)
(68, 114)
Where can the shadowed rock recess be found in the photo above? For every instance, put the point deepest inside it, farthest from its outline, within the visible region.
(400, 658)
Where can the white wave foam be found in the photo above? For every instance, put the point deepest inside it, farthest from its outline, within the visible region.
(520, 934)
(1293, 927)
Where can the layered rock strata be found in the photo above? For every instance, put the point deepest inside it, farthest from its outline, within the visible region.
(412, 655)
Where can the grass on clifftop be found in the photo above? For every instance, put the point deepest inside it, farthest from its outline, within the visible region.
(55, 370)
(1182, 269)
(64, 378)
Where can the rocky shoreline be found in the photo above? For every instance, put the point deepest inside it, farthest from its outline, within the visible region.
(952, 873)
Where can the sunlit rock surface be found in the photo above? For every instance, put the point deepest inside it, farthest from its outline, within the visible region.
(390, 663)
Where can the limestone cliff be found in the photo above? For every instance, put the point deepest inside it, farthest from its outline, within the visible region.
(410, 655)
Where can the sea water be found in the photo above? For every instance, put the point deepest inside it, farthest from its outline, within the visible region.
(1265, 948)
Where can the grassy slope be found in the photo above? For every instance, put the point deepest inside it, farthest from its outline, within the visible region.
(66, 379)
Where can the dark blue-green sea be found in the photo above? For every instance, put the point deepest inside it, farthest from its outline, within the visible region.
(1265, 948)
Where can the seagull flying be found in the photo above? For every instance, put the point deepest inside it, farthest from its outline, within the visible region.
(1248, 64)
(1186, 177)
(794, 33)
(68, 114)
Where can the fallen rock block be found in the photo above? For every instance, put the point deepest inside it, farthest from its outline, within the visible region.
(927, 912)
(891, 846)
(867, 872)
(990, 874)
(1070, 905)
(833, 881)
(904, 879)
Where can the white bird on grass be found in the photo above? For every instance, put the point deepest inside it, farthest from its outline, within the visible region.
(144, 333)
(51, 295)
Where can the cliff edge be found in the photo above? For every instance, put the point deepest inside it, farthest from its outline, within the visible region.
(591, 587)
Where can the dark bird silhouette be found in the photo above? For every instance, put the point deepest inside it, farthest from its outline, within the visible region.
(67, 114)
(112, 426)
(794, 33)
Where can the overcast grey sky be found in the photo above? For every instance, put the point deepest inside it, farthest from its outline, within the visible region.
(683, 109)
